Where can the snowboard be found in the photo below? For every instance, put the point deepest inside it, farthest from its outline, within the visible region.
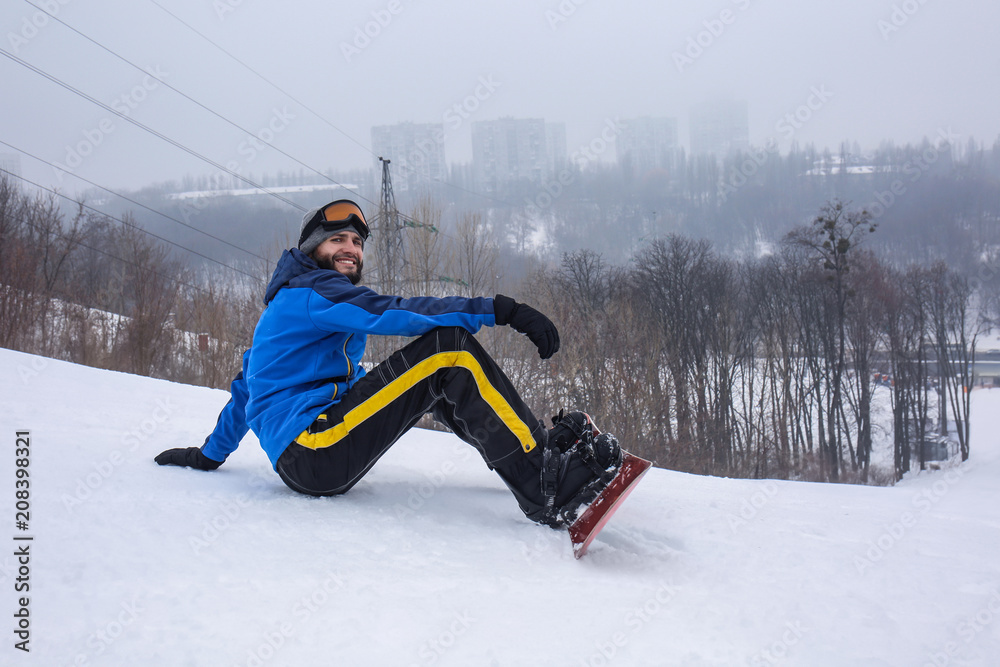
(590, 522)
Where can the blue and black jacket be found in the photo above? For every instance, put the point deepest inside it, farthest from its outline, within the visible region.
(307, 347)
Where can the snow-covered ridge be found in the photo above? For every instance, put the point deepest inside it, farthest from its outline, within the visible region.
(248, 192)
(428, 561)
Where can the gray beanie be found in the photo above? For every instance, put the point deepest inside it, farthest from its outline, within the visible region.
(318, 235)
(309, 240)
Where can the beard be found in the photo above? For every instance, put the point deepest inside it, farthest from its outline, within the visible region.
(329, 263)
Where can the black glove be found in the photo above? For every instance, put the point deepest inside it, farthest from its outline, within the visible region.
(190, 457)
(520, 317)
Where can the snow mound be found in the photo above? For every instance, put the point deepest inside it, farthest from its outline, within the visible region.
(428, 560)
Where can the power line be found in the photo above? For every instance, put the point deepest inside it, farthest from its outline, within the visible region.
(146, 128)
(273, 85)
(315, 113)
(264, 79)
(185, 95)
(137, 203)
(407, 221)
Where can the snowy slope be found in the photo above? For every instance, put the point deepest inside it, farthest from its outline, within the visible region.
(428, 560)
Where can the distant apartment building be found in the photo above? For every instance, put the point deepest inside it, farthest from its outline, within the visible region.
(555, 140)
(644, 144)
(11, 165)
(720, 128)
(509, 150)
(416, 151)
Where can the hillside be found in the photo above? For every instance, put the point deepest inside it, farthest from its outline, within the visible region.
(428, 560)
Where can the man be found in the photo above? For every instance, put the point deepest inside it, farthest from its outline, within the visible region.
(324, 421)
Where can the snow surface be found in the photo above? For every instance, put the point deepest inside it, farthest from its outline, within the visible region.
(428, 560)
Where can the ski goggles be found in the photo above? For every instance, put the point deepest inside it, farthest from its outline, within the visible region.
(337, 215)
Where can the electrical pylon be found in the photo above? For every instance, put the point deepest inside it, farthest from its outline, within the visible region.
(388, 232)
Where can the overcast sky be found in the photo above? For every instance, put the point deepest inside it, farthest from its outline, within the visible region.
(857, 70)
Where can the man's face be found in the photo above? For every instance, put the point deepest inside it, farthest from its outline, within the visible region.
(342, 252)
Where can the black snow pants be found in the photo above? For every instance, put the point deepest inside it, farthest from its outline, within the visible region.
(446, 373)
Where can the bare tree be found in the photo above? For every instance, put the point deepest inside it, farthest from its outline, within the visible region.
(831, 240)
(863, 327)
(473, 254)
(956, 326)
(19, 293)
(149, 284)
(425, 250)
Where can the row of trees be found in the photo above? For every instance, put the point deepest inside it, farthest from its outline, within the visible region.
(701, 361)
(107, 292)
(103, 292)
(766, 367)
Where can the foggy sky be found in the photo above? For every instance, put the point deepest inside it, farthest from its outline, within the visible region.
(856, 70)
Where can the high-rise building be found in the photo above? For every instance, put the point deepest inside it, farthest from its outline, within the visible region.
(416, 151)
(509, 150)
(720, 128)
(11, 164)
(647, 143)
(555, 144)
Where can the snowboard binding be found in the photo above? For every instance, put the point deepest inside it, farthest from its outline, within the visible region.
(576, 447)
(578, 462)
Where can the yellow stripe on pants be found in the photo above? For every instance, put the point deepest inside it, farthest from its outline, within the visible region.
(410, 378)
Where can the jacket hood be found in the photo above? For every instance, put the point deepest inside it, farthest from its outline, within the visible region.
(292, 264)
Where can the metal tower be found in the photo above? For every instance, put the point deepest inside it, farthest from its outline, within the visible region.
(387, 231)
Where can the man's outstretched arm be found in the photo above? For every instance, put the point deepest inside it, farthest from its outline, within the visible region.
(223, 440)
